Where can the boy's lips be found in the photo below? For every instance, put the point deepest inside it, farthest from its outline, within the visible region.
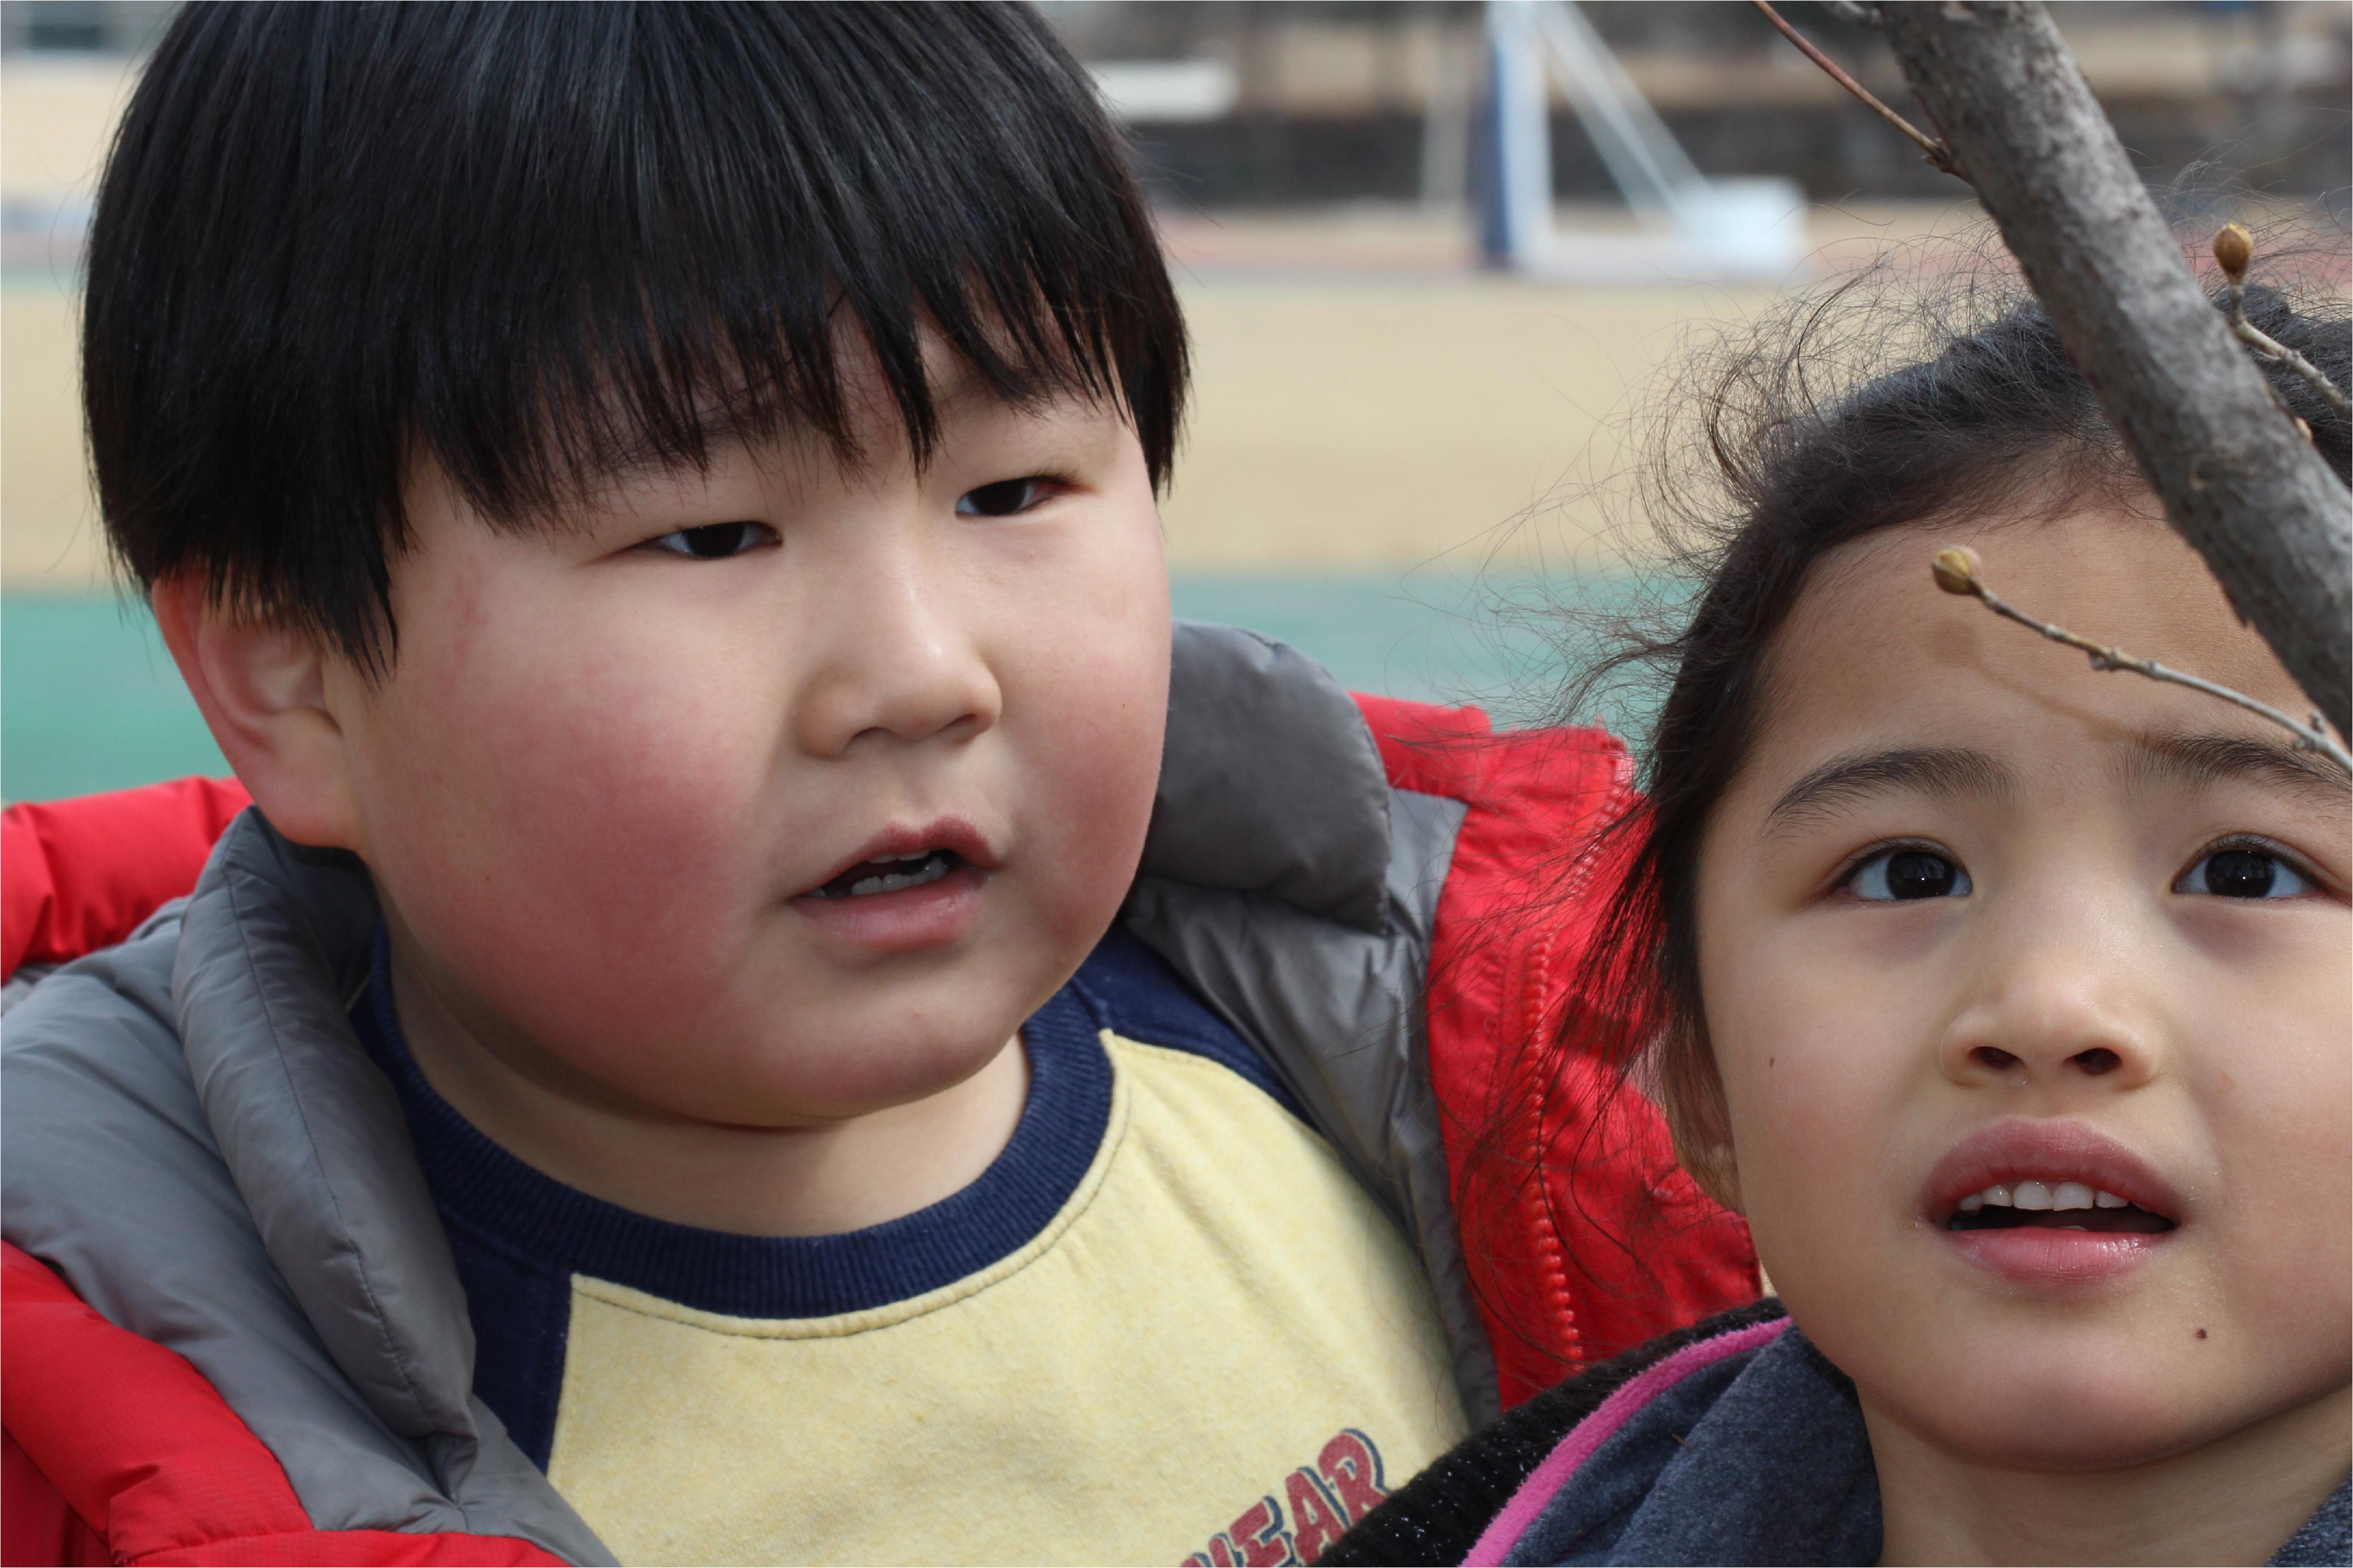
(896, 843)
(2050, 1202)
(905, 888)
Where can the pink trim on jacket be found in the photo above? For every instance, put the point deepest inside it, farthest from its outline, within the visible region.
(1546, 1480)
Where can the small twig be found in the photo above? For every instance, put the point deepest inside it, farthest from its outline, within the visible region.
(1937, 154)
(2234, 248)
(1956, 571)
(1855, 11)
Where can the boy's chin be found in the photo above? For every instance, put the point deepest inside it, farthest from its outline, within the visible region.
(800, 1084)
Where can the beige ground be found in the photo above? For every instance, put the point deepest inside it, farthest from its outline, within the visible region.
(47, 537)
(1386, 424)
(1362, 400)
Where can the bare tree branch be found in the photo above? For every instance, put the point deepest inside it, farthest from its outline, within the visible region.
(2249, 494)
(1958, 570)
(2233, 248)
(1934, 152)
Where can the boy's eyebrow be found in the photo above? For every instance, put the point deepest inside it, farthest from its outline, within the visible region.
(1946, 771)
(956, 389)
(641, 454)
(2209, 757)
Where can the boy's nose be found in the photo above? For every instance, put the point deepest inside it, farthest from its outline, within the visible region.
(898, 659)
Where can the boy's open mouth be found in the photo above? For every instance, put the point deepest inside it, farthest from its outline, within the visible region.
(2053, 1205)
(889, 874)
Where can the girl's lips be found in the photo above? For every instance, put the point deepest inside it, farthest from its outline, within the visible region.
(2020, 1149)
(2023, 1149)
(2033, 1257)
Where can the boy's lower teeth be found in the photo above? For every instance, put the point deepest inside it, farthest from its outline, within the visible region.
(865, 883)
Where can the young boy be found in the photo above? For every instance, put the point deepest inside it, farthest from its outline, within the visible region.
(657, 505)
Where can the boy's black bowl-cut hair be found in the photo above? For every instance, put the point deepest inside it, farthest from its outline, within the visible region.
(536, 241)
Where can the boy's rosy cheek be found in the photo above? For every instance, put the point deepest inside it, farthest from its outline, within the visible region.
(598, 813)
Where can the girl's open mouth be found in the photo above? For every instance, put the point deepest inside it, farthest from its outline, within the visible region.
(2058, 1204)
(2054, 1205)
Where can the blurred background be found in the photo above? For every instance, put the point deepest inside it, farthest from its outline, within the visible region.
(1429, 249)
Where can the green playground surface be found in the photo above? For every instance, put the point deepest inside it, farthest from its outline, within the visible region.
(90, 700)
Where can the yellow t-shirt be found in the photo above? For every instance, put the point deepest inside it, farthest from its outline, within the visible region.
(1165, 1325)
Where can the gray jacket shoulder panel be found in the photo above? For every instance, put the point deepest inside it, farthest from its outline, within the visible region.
(311, 1130)
(113, 1178)
(187, 1127)
(1270, 782)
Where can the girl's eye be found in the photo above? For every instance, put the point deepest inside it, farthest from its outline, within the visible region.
(715, 541)
(2244, 872)
(1908, 874)
(1006, 498)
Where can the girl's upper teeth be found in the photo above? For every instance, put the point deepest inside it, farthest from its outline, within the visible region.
(2042, 1196)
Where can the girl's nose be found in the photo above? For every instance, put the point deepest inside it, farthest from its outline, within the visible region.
(2053, 1010)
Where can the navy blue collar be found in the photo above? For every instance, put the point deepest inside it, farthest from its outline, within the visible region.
(544, 1224)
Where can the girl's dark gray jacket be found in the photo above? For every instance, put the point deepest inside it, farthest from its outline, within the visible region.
(1756, 1454)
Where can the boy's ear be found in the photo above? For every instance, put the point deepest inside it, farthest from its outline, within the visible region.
(262, 687)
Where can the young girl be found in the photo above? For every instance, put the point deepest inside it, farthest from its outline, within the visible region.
(2006, 999)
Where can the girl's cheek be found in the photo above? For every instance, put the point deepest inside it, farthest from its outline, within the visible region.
(1797, 1131)
(1812, 1069)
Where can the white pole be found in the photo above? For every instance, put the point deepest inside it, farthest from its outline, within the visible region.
(1518, 218)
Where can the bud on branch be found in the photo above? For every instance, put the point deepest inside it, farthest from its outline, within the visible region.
(1957, 571)
(2234, 248)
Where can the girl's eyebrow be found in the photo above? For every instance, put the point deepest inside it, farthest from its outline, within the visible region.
(1946, 771)
(2210, 757)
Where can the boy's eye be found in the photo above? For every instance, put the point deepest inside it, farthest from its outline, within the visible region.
(1907, 874)
(715, 541)
(2244, 872)
(1006, 498)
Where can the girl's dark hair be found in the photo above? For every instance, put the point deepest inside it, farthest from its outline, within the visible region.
(1894, 398)
(541, 241)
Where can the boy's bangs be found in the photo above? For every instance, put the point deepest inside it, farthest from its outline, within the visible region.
(720, 252)
(544, 242)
